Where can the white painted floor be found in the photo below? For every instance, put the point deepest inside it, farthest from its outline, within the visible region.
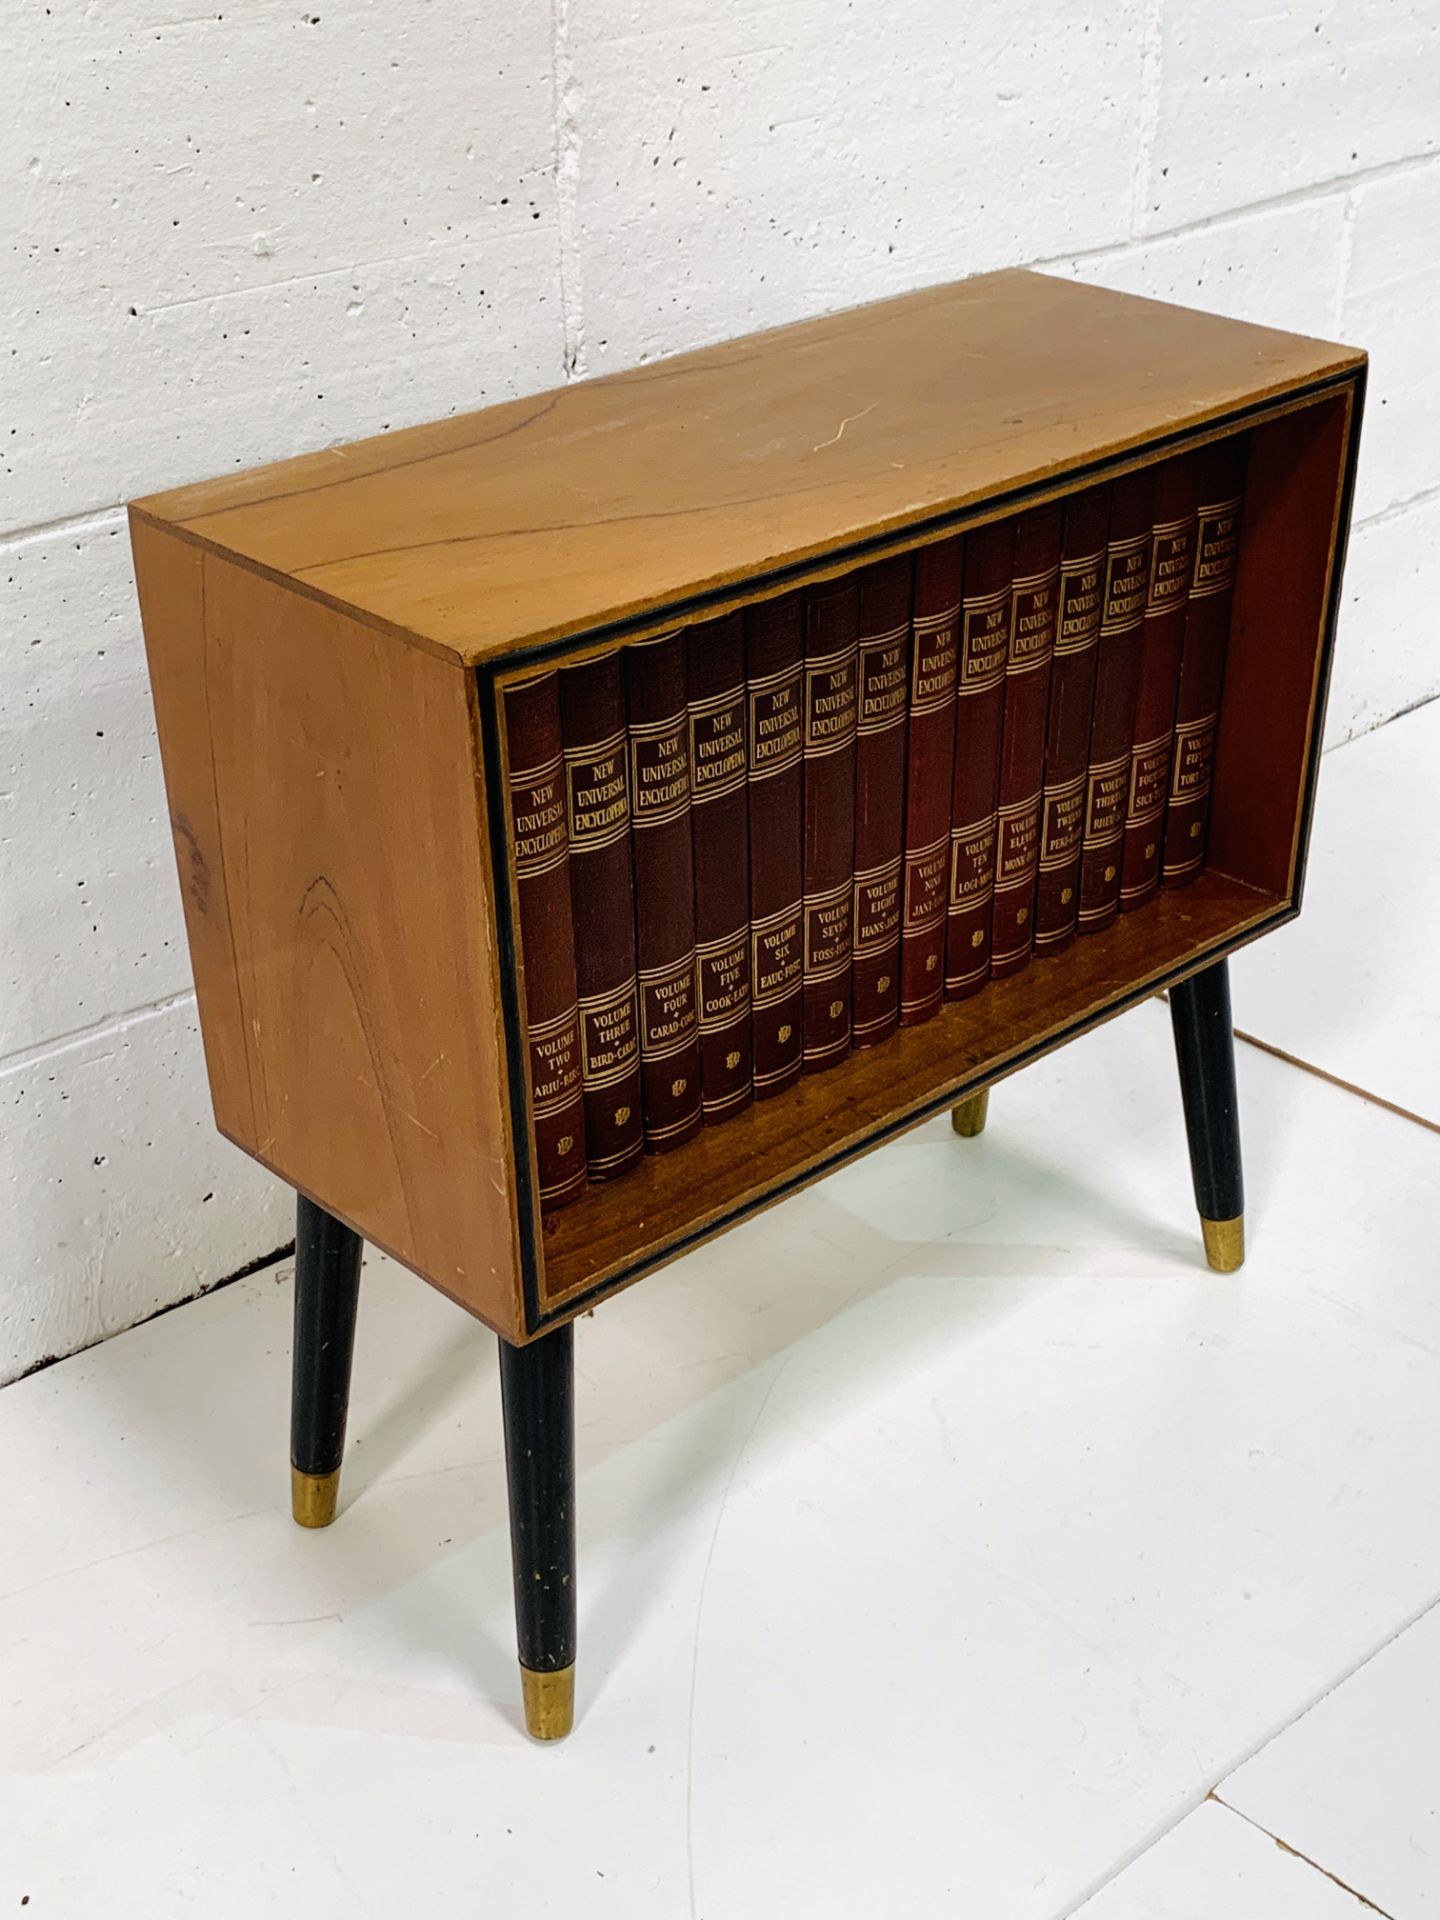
(1350, 987)
(952, 1543)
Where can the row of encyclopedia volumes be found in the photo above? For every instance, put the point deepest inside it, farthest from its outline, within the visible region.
(747, 847)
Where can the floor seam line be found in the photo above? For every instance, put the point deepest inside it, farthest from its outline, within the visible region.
(1194, 1802)
(1285, 1847)
(1334, 1080)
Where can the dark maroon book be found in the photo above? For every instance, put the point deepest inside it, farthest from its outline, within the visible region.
(1067, 720)
(979, 719)
(1172, 561)
(775, 789)
(884, 668)
(541, 849)
(597, 809)
(1117, 676)
(832, 628)
(934, 630)
(719, 831)
(659, 727)
(1034, 601)
(1220, 489)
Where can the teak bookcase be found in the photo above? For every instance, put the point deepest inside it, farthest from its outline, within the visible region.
(328, 641)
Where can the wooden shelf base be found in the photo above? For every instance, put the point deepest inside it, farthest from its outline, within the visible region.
(620, 1231)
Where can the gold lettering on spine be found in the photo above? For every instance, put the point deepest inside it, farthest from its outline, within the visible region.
(830, 703)
(925, 886)
(1217, 547)
(882, 681)
(985, 646)
(827, 934)
(555, 1063)
(877, 908)
(972, 863)
(1019, 835)
(1081, 604)
(1149, 771)
(1194, 754)
(659, 771)
(1063, 824)
(1105, 802)
(539, 832)
(935, 667)
(1170, 563)
(1032, 626)
(717, 745)
(609, 1036)
(775, 723)
(776, 956)
(667, 1007)
(1127, 580)
(597, 794)
(722, 968)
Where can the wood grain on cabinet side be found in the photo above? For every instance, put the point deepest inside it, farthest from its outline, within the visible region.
(325, 792)
(170, 577)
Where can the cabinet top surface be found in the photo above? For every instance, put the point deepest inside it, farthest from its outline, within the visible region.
(608, 499)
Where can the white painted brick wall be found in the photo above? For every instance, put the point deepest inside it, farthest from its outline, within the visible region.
(232, 235)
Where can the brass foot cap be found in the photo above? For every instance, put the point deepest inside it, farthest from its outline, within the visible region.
(968, 1119)
(313, 1497)
(549, 1702)
(1225, 1243)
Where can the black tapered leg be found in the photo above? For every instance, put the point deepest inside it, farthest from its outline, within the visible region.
(537, 1391)
(1205, 1051)
(327, 1287)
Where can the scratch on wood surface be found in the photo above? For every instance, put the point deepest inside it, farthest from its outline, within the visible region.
(820, 445)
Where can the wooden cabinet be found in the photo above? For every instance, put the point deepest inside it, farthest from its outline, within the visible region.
(329, 639)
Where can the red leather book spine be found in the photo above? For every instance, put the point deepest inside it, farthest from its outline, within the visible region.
(1034, 600)
(775, 788)
(719, 828)
(884, 669)
(934, 630)
(1117, 673)
(597, 812)
(659, 726)
(541, 851)
(979, 717)
(1067, 721)
(832, 629)
(1172, 560)
(1220, 489)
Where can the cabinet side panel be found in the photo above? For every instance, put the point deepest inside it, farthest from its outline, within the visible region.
(1272, 708)
(169, 575)
(351, 842)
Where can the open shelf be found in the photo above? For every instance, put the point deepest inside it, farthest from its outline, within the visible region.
(329, 639)
(620, 1230)
(1270, 718)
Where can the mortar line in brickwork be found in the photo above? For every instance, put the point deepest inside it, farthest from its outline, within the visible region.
(565, 106)
(1396, 507)
(1152, 61)
(1347, 255)
(1295, 196)
(114, 1023)
(91, 520)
